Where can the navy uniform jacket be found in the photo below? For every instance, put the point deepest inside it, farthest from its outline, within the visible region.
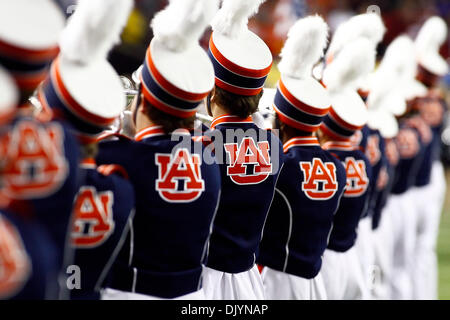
(103, 210)
(355, 199)
(426, 137)
(249, 166)
(42, 176)
(374, 152)
(390, 159)
(176, 198)
(363, 136)
(432, 110)
(307, 196)
(27, 260)
(411, 151)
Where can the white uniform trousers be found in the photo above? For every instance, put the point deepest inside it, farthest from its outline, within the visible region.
(113, 294)
(429, 201)
(364, 247)
(404, 226)
(343, 277)
(383, 245)
(283, 286)
(246, 285)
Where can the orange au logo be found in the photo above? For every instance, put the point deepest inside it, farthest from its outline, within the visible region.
(93, 218)
(357, 180)
(320, 179)
(247, 154)
(35, 165)
(373, 152)
(180, 178)
(15, 265)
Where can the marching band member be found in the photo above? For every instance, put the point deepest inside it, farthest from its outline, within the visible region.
(312, 182)
(347, 115)
(104, 203)
(250, 158)
(177, 189)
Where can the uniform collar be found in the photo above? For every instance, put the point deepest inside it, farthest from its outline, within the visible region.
(339, 145)
(88, 163)
(227, 118)
(309, 141)
(149, 132)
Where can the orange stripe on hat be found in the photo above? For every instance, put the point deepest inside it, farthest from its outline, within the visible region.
(300, 105)
(72, 104)
(250, 73)
(33, 56)
(170, 88)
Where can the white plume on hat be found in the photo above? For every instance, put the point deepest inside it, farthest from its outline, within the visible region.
(396, 78)
(431, 37)
(183, 22)
(398, 57)
(232, 18)
(304, 47)
(94, 29)
(367, 25)
(355, 61)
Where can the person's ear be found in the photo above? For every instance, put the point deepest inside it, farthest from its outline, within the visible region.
(209, 101)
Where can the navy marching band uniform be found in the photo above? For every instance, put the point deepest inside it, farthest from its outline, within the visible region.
(301, 216)
(238, 225)
(102, 217)
(173, 218)
(354, 202)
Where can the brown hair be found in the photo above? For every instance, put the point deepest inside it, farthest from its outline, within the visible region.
(237, 105)
(167, 121)
(287, 132)
(89, 151)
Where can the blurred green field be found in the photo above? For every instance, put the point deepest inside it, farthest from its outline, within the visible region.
(444, 247)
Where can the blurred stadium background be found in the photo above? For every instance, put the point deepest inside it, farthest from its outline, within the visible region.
(274, 19)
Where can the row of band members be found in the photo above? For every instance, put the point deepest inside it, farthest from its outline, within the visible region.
(148, 217)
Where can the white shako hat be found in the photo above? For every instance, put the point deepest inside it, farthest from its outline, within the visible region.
(29, 32)
(241, 59)
(9, 97)
(341, 77)
(369, 26)
(301, 101)
(396, 78)
(83, 86)
(177, 73)
(431, 37)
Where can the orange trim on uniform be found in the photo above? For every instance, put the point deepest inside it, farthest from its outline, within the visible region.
(151, 131)
(301, 142)
(88, 163)
(109, 169)
(227, 118)
(339, 145)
